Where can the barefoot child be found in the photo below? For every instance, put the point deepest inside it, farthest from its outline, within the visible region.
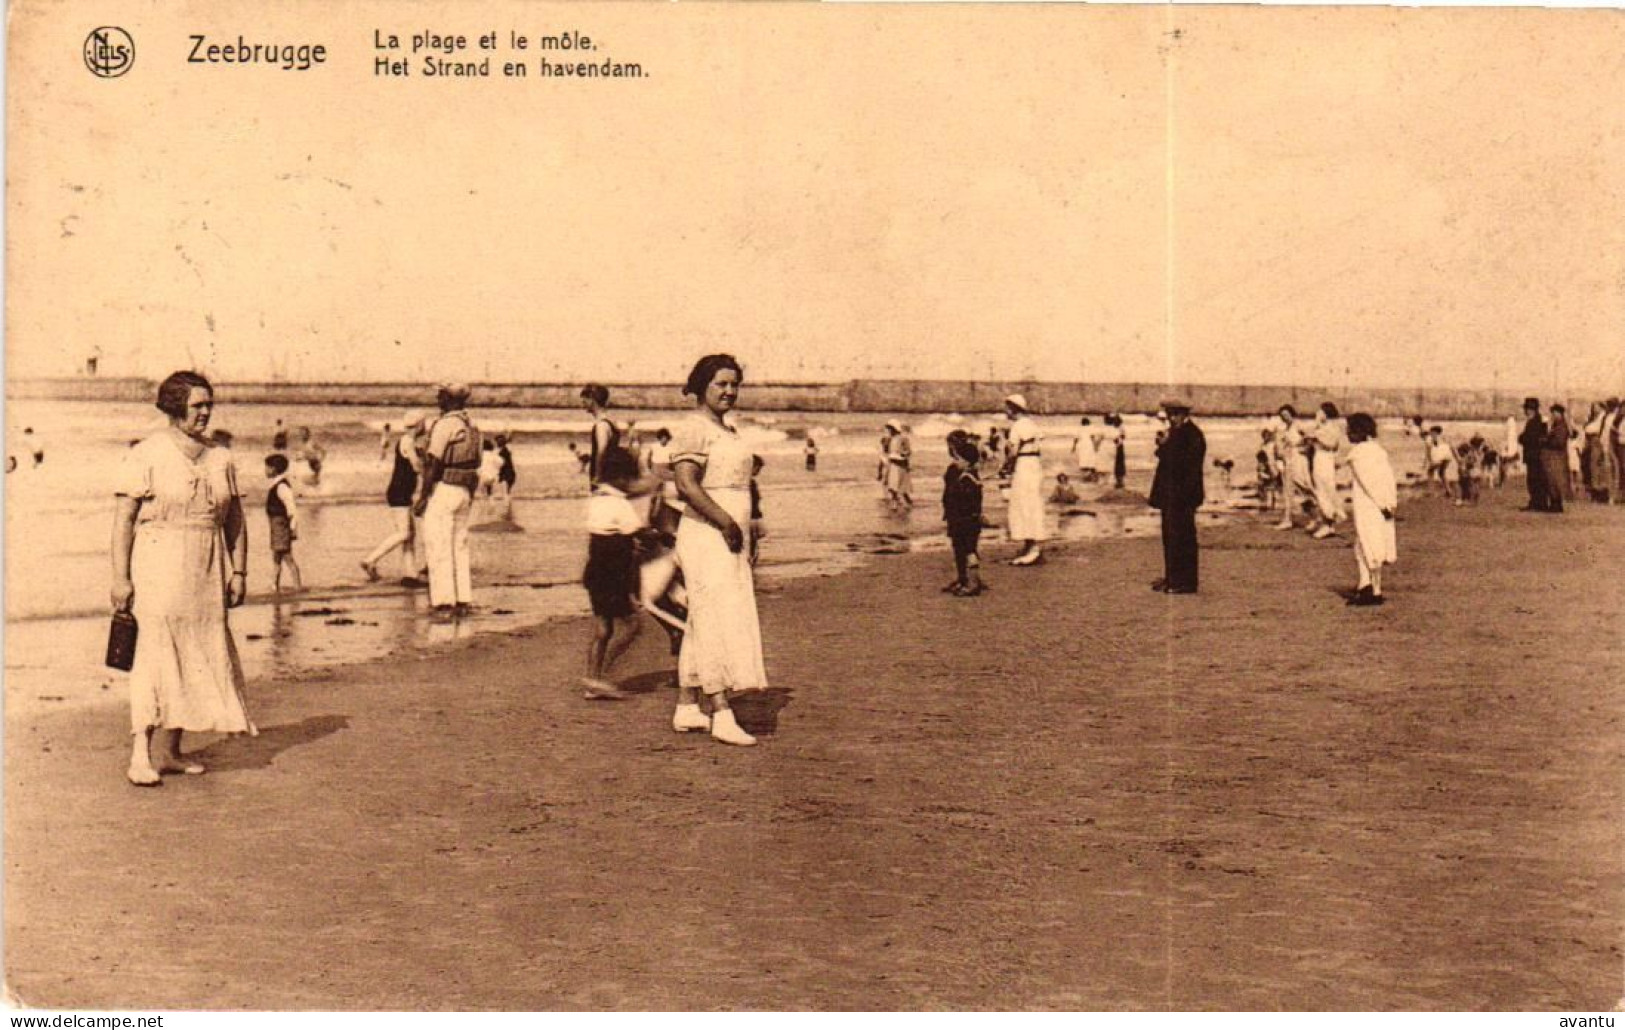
(962, 511)
(611, 575)
(282, 512)
(1375, 498)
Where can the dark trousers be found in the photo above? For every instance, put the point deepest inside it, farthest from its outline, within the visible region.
(1535, 478)
(1179, 547)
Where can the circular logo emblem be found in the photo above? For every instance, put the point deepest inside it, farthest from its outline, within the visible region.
(109, 52)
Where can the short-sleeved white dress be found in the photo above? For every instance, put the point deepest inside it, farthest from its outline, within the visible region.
(186, 675)
(723, 647)
(1025, 515)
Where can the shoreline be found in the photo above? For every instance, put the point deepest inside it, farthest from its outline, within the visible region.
(856, 396)
(1070, 793)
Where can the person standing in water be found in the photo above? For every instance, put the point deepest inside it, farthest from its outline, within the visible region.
(451, 473)
(398, 494)
(606, 436)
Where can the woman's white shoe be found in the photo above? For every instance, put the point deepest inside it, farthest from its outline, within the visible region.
(725, 729)
(689, 718)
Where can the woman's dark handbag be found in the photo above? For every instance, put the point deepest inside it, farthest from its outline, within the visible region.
(121, 642)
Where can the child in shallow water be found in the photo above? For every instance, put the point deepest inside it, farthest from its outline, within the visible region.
(611, 575)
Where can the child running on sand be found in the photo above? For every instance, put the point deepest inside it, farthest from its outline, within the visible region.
(1375, 498)
(282, 512)
(611, 575)
(962, 511)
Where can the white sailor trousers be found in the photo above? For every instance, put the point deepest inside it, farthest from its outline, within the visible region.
(445, 544)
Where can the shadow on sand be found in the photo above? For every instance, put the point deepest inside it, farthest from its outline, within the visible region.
(234, 753)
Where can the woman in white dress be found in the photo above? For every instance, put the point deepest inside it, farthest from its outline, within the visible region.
(1375, 500)
(1329, 439)
(180, 559)
(1026, 511)
(722, 651)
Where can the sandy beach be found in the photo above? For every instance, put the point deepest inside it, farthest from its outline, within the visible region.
(1071, 793)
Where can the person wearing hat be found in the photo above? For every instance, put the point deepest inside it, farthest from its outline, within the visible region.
(451, 473)
(403, 486)
(1176, 491)
(1025, 516)
(1531, 439)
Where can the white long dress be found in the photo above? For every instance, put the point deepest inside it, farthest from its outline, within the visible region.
(1329, 439)
(723, 647)
(1374, 490)
(1026, 513)
(186, 674)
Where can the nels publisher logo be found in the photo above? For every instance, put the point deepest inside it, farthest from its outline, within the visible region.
(109, 52)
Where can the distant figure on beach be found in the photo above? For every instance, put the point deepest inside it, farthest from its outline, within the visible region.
(1063, 492)
(605, 435)
(1329, 439)
(1509, 450)
(1025, 515)
(722, 651)
(35, 445)
(962, 511)
(899, 456)
(1554, 461)
(282, 515)
(611, 573)
(386, 440)
(312, 453)
(1085, 451)
(1292, 457)
(398, 495)
(810, 452)
(451, 473)
(1531, 439)
(1608, 441)
(180, 555)
(1469, 470)
(507, 473)
(1443, 466)
(1267, 474)
(279, 437)
(1376, 498)
(1577, 464)
(1119, 450)
(582, 458)
(93, 361)
(880, 468)
(1177, 491)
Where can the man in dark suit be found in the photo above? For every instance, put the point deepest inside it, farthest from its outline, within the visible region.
(1531, 439)
(1176, 491)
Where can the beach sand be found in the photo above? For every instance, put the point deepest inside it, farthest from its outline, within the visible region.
(1069, 793)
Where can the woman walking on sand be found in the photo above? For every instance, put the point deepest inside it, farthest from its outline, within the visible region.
(180, 559)
(722, 651)
(1376, 497)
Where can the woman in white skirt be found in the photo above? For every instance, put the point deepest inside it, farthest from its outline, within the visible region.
(180, 559)
(722, 651)
(1375, 500)
(1330, 439)
(1026, 510)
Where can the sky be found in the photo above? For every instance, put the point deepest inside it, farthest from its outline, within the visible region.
(1370, 196)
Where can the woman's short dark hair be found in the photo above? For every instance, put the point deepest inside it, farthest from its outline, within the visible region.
(1362, 426)
(599, 395)
(175, 391)
(277, 463)
(1289, 409)
(706, 369)
(1329, 408)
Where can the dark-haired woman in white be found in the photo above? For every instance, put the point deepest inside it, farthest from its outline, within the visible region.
(722, 650)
